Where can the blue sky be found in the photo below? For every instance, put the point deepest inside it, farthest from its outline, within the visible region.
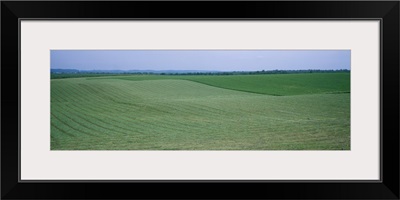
(220, 60)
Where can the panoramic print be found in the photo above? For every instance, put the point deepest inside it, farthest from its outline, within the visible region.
(200, 99)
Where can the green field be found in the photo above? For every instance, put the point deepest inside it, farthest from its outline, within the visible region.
(200, 112)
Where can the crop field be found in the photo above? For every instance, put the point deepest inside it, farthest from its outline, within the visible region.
(202, 112)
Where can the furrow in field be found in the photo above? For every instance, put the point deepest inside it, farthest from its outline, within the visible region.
(215, 110)
(81, 125)
(192, 111)
(90, 123)
(133, 121)
(71, 125)
(153, 123)
(110, 112)
(53, 125)
(107, 92)
(180, 114)
(195, 109)
(106, 119)
(70, 94)
(109, 119)
(166, 124)
(56, 94)
(88, 95)
(84, 92)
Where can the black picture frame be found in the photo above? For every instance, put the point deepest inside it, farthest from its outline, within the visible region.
(386, 11)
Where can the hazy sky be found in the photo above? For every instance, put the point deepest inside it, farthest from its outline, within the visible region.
(220, 60)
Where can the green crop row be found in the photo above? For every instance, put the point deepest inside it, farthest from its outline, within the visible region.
(153, 113)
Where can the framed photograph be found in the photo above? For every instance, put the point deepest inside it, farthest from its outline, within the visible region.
(218, 97)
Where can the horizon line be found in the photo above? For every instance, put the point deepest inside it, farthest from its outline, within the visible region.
(195, 70)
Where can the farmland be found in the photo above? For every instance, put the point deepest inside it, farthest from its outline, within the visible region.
(202, 112)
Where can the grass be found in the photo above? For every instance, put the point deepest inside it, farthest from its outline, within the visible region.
(238, 112)
(271, 84)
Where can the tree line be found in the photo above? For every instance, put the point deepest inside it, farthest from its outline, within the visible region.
(97, 74)
(258, 72)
